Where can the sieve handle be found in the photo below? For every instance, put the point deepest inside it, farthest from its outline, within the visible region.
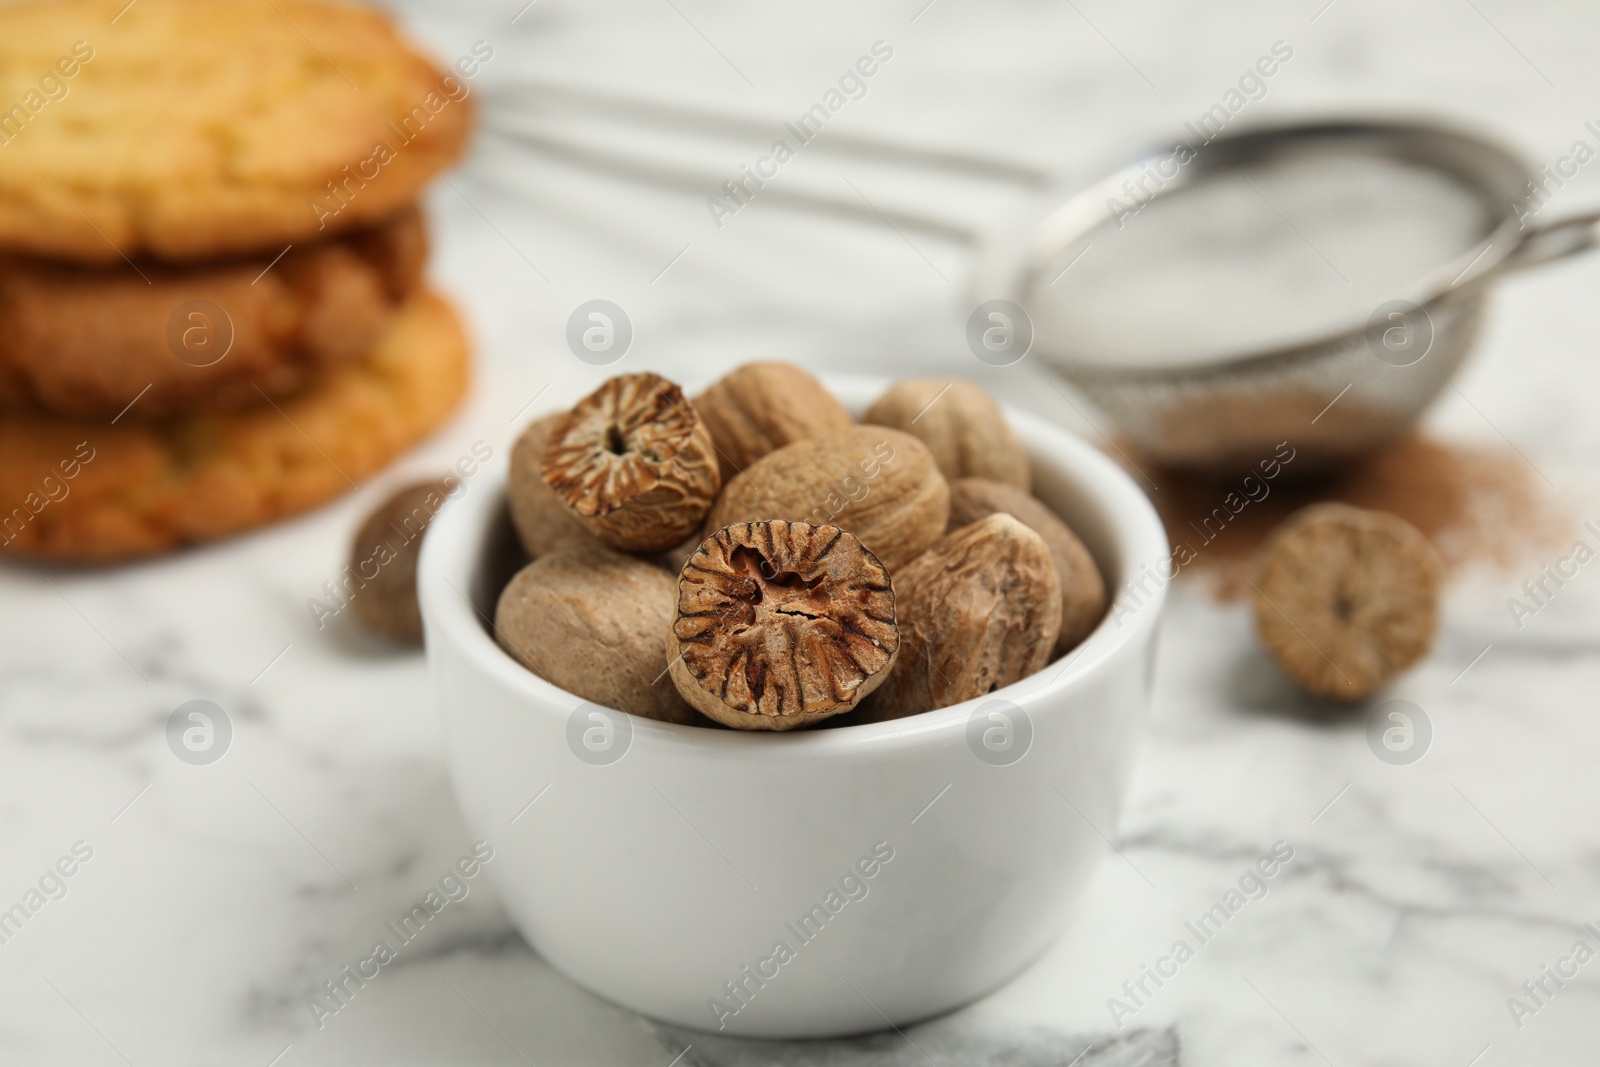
(1553, 241)
(635, 167)
(527, 97)
(519, 108)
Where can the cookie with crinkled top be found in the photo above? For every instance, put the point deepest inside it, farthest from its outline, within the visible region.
(191, 129)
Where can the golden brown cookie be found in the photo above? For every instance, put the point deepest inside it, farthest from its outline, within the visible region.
(87, 341)
(190, 129)
(82, 491)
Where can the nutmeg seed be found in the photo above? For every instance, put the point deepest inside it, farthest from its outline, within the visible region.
(879, 484)
(1346, 598)
(634, 463)
(589, 620)
(1083, 590)
(977, 612)
(960, 423)
(760, 407)
(383, 556)
(781, 624)
(543, 523)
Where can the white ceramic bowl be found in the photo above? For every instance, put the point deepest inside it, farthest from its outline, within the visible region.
(662, 866)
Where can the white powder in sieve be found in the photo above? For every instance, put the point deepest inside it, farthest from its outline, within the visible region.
(1254, 258)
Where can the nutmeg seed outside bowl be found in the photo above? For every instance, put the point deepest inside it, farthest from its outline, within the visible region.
(905, 867)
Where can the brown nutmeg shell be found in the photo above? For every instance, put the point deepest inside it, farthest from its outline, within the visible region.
(543, 523)
(760, 407)
(589, 620)
(877, 483)
(961, 424)
(1346, 598)
(977, 612)
(383, 557)
(1083, 589)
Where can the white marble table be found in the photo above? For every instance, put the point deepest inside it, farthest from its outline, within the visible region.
(1420, 898)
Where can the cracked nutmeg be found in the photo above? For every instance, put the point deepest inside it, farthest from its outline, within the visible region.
(1346, 598)
(978, 611)
(781, 624)
(634, 463)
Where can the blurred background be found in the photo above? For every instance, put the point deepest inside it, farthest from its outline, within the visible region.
(1423, 897)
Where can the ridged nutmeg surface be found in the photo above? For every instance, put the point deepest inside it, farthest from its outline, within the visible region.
(634, 463)
(1346, 598)
(781, 624)
(874, 482)
(977, 612)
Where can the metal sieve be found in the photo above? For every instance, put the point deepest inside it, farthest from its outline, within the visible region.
(1437, 214)
(1316, 283)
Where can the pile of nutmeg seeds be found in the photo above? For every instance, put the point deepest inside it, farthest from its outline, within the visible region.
(754, 557)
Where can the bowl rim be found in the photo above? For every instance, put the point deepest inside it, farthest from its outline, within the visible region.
(448, 567)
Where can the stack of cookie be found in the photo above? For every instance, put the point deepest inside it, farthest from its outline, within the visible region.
(212, 308)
